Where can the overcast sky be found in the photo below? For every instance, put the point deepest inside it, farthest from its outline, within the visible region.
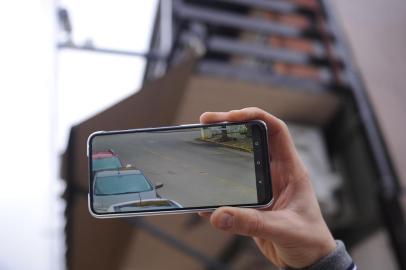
(42, 93)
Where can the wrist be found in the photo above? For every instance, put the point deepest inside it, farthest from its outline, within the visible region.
(313, 250)
(327, 246)
(337, 259)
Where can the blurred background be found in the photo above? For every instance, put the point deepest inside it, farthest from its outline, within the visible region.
(333, 70)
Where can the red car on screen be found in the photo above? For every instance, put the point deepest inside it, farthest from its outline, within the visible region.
(105, 160)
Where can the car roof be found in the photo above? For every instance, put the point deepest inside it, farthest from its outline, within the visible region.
(104, 154)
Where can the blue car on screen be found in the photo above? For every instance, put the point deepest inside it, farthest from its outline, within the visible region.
(115, 187)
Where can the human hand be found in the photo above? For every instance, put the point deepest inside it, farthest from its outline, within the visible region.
(292, 232)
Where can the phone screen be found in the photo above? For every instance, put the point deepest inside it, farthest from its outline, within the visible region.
(178, 168)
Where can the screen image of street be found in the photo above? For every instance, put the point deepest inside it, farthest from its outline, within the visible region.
(158, 170)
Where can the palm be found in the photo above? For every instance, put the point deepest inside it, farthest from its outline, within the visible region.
(283, 206)
(296, 208)
(285, 231)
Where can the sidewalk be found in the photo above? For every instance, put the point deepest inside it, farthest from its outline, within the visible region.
(240, 144)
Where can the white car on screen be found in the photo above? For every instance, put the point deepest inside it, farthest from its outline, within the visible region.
(145, 205)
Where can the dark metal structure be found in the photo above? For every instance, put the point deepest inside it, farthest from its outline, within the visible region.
(253, 40)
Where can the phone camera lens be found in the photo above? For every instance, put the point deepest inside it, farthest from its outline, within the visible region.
(256, 143)
(258, 162)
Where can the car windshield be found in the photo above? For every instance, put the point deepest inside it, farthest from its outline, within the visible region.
(121, 184)
(106, 163)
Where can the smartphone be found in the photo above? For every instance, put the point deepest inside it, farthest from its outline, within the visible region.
(178, 169)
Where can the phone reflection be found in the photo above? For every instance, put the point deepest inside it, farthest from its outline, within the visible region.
(164, 170)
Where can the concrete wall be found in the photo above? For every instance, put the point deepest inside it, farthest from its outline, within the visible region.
(376, 32)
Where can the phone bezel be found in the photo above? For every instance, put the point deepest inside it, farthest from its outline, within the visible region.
(266, 170)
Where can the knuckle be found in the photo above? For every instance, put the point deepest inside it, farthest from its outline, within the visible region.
(256, 112)
(254, 109)
(255, 224)
(283, 125)
(283, 128)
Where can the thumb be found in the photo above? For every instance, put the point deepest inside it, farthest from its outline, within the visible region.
(244, 221)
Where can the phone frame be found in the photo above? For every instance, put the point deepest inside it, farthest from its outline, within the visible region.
(267, 178)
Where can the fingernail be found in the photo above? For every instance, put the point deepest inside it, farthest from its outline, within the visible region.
(226, 221)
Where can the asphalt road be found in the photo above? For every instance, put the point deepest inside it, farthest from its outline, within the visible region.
(194, 173)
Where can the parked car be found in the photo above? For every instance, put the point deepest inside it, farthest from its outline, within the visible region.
(105, 160)
(149, 204)
(111, 187)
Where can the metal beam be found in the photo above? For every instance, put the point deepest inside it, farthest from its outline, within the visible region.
(165, 237)
(148, 55)
(212, 16)
(233, 46)
(166, 26)
(278, 6)
(260, 75)
(237, 47)
(241, 22)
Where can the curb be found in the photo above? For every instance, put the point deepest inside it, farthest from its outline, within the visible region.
(227, 145)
